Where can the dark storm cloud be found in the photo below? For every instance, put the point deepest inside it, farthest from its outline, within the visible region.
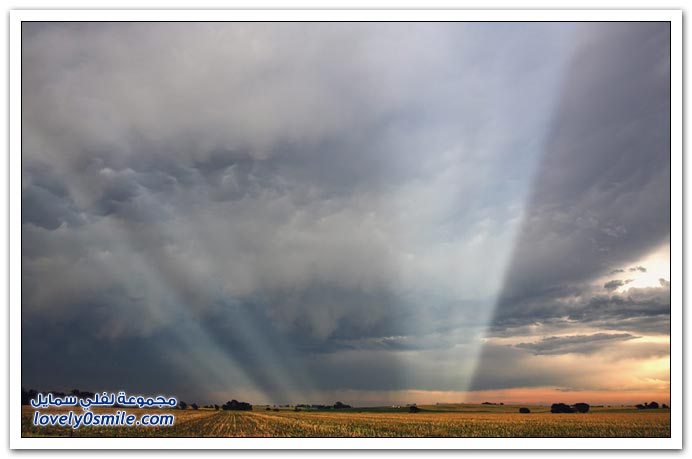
(513, 367)
(615, 284)
(575, 344)
(47, 210)
(46, 201)
(602, 192)
(645, 310)
(639, 310)
(517, 368)
(132, 364)
(600, 199)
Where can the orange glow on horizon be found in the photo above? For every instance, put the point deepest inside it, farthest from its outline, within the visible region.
(546, 396)
(538, 396)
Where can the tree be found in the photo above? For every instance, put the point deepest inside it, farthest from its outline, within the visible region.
(581, 407)
(647, 406)
(28, 396)
(561, 408)
(524, 410)
(194, 406)
(339, 405)
(413, 409)
(182, 405)
(235, 405)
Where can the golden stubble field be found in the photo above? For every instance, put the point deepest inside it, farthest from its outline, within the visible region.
(434, 421)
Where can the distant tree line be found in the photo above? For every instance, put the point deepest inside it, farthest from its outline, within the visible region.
(336, 406)
(650, 406)
(235, 405)
(564, 408)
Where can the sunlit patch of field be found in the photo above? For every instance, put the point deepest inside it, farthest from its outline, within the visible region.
(445, 421)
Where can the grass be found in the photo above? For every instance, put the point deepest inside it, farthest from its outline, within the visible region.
(434, 421)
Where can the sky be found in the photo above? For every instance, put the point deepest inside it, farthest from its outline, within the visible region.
(368, 212)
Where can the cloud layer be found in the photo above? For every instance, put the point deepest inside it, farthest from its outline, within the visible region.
(286, 210)
(600, 202)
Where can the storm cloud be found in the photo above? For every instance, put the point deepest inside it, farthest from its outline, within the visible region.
(575, 344)
(602, 194)
(615, 284)
(600, 200)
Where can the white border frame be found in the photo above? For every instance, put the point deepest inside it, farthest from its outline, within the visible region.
(17, 442)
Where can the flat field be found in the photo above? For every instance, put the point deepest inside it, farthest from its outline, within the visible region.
(463, 420)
